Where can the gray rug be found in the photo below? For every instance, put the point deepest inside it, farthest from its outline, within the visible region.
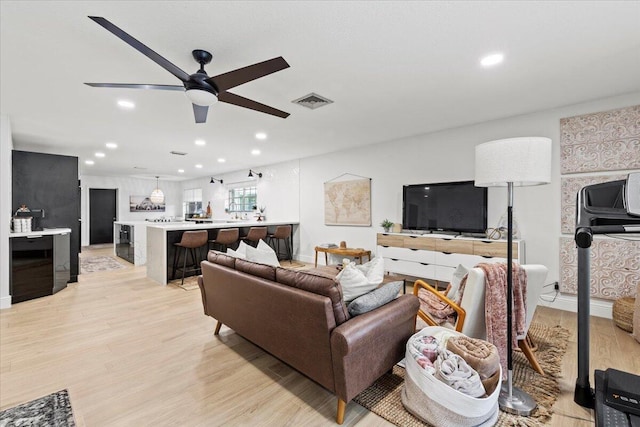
(93, 264)
(53, 410)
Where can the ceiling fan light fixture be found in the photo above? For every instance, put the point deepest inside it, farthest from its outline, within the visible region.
(201, 97)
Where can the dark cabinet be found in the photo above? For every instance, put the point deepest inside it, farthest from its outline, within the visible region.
(39, 266)
(124, 245)
(50, 182)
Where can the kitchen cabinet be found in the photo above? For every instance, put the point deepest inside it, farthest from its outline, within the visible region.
(40, 264)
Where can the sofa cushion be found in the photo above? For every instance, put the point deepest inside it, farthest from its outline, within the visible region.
(318, 284)
(374, 299)
(263, 254)
(373, 270)
(256, 269)
(222, 259)
(355, 283)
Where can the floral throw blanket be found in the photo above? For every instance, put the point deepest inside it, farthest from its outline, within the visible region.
(496, 306)
(438, 310)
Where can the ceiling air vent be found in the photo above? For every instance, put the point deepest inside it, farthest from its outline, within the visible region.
(178, 153)
(312, 101)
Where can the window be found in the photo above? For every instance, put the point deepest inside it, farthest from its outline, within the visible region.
(192, 202)
(242, 199)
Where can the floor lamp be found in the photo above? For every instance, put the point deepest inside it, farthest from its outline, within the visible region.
(513, 162)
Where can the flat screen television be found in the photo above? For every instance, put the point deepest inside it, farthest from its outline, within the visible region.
(446, 206)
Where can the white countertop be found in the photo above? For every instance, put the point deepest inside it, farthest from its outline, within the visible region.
(144, 222)
(174, 226)
(45, 232)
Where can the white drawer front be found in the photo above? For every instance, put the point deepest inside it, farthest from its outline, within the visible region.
(409, 268)
(444, 273)
(417, 255)
(469, 261)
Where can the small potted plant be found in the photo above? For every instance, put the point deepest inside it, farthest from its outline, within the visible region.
(386, 224)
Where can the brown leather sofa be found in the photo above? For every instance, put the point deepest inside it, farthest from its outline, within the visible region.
(300, 318)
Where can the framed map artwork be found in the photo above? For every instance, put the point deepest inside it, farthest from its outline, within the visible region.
(347, 202)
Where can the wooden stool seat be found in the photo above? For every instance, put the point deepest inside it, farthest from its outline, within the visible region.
(191, 241)
(225, 238)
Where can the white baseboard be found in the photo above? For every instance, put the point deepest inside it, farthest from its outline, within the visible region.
(599, 308)
(5, 302)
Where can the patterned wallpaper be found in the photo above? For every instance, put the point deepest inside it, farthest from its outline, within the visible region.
(604, 141)
(615, 267)
(598, 142)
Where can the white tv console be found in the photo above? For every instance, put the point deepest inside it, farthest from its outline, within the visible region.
(436, 256)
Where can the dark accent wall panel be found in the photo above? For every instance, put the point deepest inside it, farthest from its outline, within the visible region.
(50, 182)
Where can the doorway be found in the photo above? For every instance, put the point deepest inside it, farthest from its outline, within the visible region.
(102, 213)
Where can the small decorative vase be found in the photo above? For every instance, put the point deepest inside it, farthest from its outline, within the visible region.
(386, 229)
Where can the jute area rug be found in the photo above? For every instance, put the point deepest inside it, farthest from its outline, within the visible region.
(190, 284)
(383, 396)
(51, 410)
(92, 264)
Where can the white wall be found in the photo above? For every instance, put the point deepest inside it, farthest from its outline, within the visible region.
(278, 190)
(446, 156)
(126, 187)
(6, 145)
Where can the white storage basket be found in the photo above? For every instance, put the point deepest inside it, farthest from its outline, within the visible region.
(438, 404)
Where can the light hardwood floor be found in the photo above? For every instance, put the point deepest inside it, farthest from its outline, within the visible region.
(134, 353)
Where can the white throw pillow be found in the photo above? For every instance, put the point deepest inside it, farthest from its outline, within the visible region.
(268, 257)
(235, 254)
(458, 274)
(354, 283)
(242, 249)
(373, 270)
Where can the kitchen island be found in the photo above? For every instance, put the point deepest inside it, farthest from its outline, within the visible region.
(162, 236)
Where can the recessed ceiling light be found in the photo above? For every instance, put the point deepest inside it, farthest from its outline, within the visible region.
(199, 166)
(493, 59)
(201, 142)
(261, 135)
(180, 170)
(111, 145)
(99, 154)
(126, 105)
(221, 160)
(89, 162)
(255, 152)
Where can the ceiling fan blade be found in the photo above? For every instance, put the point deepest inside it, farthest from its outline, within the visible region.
(130, 40)
(200, 112)
(137, 86)
(232, 98)
(246, 74)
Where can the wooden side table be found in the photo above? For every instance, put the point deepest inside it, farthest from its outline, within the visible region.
(352, 252)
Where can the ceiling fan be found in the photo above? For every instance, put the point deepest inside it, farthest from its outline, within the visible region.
(202, 90)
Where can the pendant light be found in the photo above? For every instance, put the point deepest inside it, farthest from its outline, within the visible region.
(157, 196)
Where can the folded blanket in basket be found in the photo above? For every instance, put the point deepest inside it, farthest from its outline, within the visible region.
(481, 355)
(452, 370)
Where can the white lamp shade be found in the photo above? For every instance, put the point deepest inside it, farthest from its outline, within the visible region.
(521, 161)
(201, 97)
(157, 196)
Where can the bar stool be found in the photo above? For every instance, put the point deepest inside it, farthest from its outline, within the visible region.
(225, 237)
(191, 241)
(283, 232)
(254, 235)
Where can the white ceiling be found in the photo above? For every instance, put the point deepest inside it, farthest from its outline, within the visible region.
(393, 69)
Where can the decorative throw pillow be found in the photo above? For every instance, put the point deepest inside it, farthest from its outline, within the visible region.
(263, 256)
(235, 254)
(373, 270)
(374, 299)
(354, 283)
(454, 289)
